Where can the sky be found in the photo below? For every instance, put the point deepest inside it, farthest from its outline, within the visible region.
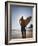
(17, 12)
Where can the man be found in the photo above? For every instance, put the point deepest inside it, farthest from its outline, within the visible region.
(23, 24)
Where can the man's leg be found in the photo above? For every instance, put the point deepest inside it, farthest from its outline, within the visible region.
(22, 34)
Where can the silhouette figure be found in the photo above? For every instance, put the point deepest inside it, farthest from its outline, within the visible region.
(23, 23)
(31, 26)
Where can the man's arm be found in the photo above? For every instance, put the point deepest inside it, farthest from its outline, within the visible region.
(28, 20)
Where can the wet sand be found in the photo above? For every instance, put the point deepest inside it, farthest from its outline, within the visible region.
(18, 34)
